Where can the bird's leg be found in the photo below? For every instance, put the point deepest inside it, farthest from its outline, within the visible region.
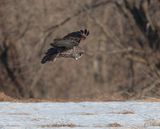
(74, 53)
(77, 52)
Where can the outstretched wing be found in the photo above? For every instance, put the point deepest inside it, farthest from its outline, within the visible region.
(66, 43)
(71, 39)
(78, 35)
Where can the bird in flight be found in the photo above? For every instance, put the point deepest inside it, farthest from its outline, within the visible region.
(68, 46)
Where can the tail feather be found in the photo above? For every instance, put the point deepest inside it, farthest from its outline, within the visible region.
(50, 55)
(48, 58)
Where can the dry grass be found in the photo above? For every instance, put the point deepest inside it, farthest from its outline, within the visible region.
(123, 112)
(58, 125)
(4, 97)
(23, 114)
(88, 114)
(72, 125)
(114, 125)
(151, 100)
(152, 122)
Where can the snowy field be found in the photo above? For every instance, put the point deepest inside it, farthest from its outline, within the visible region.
(83, 115)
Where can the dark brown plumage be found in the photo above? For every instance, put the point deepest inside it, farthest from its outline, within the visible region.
(68, 42)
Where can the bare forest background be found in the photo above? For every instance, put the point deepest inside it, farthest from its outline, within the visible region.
(122, 58)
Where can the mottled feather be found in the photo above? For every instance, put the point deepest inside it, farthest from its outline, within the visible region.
(68, 42)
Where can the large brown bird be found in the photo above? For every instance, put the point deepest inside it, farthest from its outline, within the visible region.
(68, 43)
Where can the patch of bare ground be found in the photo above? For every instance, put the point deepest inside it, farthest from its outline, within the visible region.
(35, 119)
(152, 122)
(87, 113)
(58, 125)
(114, 125)
(73, 125)
(123, 112)
(23, 114)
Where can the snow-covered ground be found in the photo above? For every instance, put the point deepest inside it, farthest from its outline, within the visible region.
(86, 115)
